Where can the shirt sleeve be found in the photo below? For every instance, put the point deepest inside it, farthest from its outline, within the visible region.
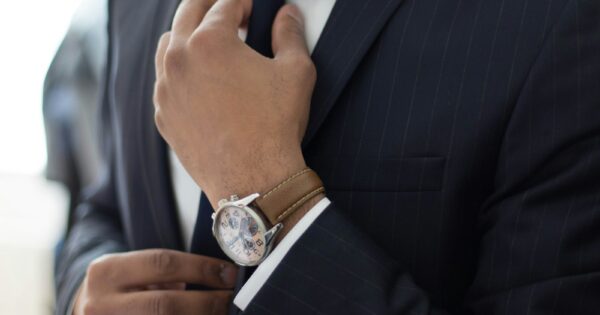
(264, 270)
(71, 308)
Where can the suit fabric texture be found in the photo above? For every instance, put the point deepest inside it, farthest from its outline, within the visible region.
(459, 142)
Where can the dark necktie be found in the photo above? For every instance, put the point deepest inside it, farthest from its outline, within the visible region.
(259, 38)
(261, 23)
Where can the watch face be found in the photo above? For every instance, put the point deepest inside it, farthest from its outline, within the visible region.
(241, 235)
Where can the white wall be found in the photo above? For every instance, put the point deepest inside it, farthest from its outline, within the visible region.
(32, 211)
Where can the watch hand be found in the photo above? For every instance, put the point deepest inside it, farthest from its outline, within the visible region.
(233, 241)
(232, 223)
(241, 237)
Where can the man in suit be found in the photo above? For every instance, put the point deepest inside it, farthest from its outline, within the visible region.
(458, 143)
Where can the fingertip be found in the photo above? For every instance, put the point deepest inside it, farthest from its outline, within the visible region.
(228, 274)
(294, 12)
(288, 30)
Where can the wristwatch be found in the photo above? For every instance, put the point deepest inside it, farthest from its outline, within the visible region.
(245, 228)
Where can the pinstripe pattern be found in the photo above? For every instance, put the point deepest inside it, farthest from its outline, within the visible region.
(459, 141)
(464, 81)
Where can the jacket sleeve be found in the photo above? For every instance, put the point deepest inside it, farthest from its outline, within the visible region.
(97, 226)
(539, 231)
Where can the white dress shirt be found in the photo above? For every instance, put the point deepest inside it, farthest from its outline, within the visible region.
(187, 193)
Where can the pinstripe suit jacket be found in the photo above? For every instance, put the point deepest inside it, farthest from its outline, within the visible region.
(459, 141)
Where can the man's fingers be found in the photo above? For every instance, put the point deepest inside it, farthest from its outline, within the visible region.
(166, 286)
(176, 302)
(159, 60)
(163, 302)
(188, 16)
(147, 267)
(288, 32)
(227, 16)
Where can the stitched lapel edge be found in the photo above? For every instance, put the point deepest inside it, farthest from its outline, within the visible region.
(351, 30)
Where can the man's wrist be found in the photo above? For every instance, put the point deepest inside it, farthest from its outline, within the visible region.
(251, 180)
(254, 178)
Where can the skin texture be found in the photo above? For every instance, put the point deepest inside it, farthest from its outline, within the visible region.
(236, 120)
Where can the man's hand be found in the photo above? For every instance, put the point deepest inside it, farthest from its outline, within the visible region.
(152, 282)
(234, 117)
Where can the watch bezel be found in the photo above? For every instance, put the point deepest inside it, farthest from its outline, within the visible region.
(262, 226)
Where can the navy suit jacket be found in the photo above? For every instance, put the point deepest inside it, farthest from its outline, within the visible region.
(459, 141)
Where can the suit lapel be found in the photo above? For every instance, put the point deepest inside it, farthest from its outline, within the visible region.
(349, 33)
(155, 167)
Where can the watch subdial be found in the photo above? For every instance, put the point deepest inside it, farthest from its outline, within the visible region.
(249, 226)
(248, 244)
(233, 222)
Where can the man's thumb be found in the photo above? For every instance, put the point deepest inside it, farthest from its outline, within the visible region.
(288, 32)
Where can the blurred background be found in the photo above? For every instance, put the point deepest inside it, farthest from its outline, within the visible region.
(51, 58)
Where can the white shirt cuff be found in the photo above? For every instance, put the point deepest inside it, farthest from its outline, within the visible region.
(266, 268)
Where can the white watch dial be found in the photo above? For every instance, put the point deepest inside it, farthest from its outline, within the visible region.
(241, 236)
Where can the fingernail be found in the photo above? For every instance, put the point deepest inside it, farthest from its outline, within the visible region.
(294, 12)
(228, 274)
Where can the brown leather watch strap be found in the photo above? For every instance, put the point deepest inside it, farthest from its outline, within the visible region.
(287, 197)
